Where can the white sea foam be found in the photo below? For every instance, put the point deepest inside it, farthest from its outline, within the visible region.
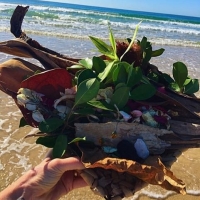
(2, 121)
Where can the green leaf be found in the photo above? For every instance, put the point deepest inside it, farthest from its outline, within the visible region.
(157, 52)
(84, 75)
(60, 146)
(106, 71)
(174, 86)
(22, 122)
(119, 74)
(147, 55)
(50, 125)
(120, 85)
(128, 40)
(187, 81)
(102, 105)
(143, 43)
(87, 63)
(142, 92)
(134, 76)
(84, 111)
(192, 87)
(98, 64)
(77, 140)
(120, 97)
(180, 73)
(132, 41)
(102, 47)
(153, 76)
(87, 90)
(112, 41)
(47, 141)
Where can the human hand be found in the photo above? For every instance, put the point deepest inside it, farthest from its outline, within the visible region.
(49, 180)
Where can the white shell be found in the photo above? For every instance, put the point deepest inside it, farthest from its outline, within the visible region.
(22, 100)
(125, 115)
(62, 109)
(37, 116)
(141, 148)
(31, 106)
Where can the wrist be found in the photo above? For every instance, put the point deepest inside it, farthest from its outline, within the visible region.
(19, 190)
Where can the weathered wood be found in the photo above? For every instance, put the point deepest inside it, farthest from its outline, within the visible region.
(189, 104)
(101, 134)
(18, 47)
(17, 19)
(16, 23)
(186, 131)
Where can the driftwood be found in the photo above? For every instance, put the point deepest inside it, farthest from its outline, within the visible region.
(157, 140)
(16, 23)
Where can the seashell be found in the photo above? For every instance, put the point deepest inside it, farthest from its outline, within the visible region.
(37, 116)
(149, 120)
(136, 113)
(125, 115)
(31, 106)
(141, 148)
(22, 100)
(62, 109)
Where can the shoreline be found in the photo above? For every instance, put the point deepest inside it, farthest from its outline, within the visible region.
(35, 34)
(16, 158)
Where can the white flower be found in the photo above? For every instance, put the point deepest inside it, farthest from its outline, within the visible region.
(37, 116)
(22, 100)
(30, 106)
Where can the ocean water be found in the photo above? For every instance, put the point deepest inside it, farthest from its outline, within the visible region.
(65, 28)
(76, 21)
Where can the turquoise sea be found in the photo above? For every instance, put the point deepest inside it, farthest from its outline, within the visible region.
(78, 21)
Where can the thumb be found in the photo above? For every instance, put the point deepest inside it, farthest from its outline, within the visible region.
(66, 164)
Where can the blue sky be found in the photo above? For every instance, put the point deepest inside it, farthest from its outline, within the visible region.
(179, 7)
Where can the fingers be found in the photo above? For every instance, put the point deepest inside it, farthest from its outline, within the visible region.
(66, 164)
(79, 182)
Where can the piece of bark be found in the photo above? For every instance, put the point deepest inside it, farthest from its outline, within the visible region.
(101, 134)
(16, 23)
(187, 131)
(17, 19)
(154, 173)
(186, 103)
(18, 47)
